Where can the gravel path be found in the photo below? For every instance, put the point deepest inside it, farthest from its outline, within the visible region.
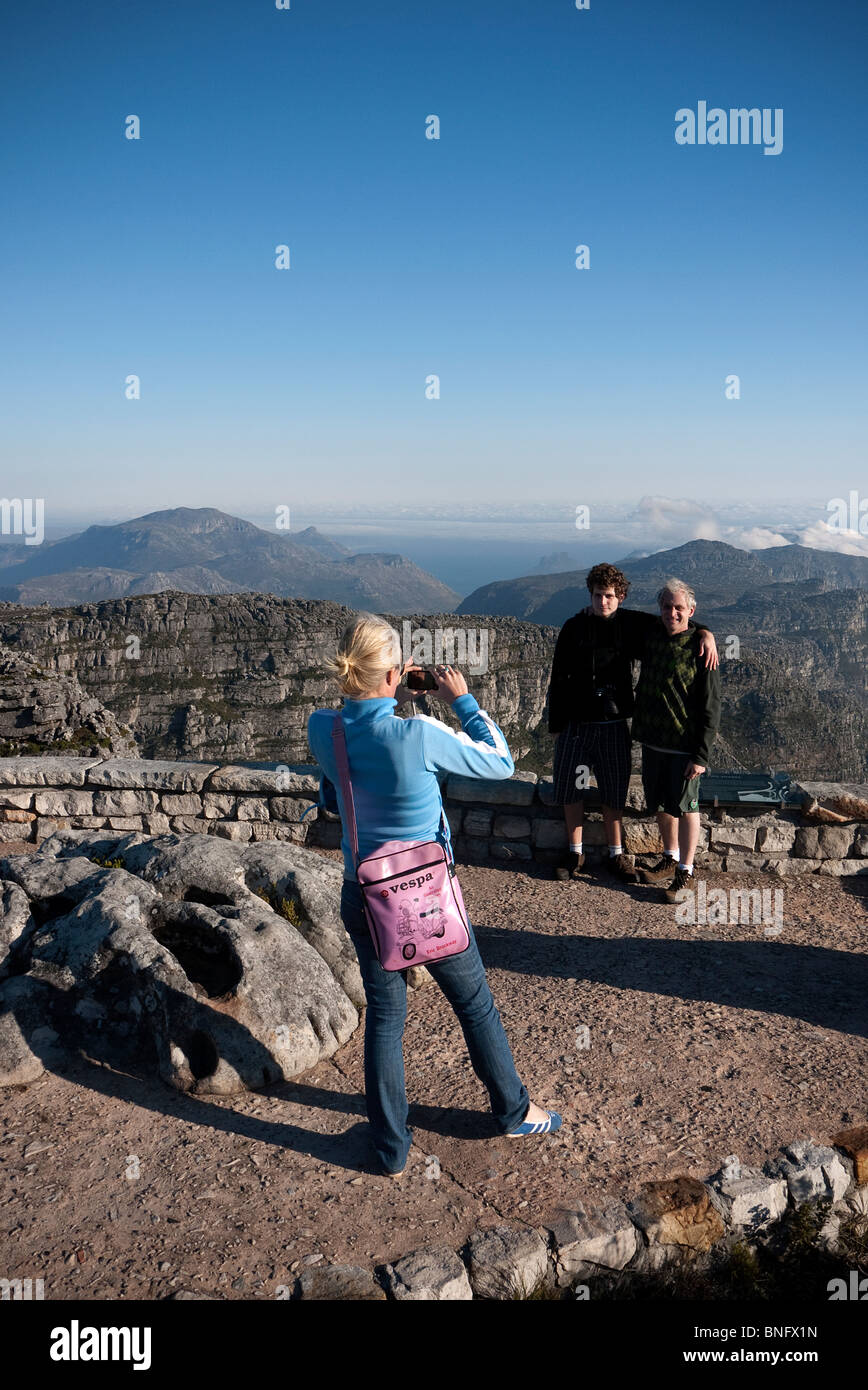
(703, 1041)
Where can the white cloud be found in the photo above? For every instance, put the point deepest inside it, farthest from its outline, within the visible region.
(822, 536)
(676, 520)
(757, 538)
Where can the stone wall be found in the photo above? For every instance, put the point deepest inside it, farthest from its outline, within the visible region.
(501, 822)
(675, 1219)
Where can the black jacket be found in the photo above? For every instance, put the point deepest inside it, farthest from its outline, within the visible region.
(594, 653)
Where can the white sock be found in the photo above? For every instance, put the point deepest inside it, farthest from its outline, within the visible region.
(671, 853)
(615, 849)
(688, 867)
(575, 846)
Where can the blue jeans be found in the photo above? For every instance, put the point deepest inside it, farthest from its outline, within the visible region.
(462, 980)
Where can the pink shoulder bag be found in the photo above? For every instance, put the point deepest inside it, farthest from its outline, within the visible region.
(413, 904)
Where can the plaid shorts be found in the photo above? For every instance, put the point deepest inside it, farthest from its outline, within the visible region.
(603, 749)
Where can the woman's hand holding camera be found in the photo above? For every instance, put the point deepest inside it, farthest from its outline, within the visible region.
(403, 692)
(445, 681)
(450, 683)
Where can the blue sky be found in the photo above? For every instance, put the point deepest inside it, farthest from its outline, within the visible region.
(410, 256)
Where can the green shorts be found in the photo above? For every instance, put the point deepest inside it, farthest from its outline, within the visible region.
(664, 784)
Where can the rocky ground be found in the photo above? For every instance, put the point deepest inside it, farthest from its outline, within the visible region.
(665, 1046)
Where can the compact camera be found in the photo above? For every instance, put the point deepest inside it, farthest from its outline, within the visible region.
(420, 680)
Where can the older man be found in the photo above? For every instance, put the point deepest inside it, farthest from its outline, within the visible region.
(676, 720)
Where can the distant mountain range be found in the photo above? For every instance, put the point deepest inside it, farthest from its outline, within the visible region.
(719, 573)
(205, 551)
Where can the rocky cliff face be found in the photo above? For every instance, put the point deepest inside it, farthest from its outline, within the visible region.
(235, 677)
(43, 712)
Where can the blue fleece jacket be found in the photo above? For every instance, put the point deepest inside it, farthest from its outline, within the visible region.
(394, 764)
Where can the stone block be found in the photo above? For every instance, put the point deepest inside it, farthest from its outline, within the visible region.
(232, 829)
(635, 795)
(754, 1202)
(746, 863)
(181, 804)
(10, 831)
(155, 824)
(594, 833)
(282, 808)
(17, 817)
(733, 836)
(843, 868)
(811, 1170)
(252, 808)
(191, 825)
(454, 818)
(854, 1142)
(506, 1262)
(46, 826)
(276, 779)
(215, 805)
(335, 1283)
(510, 850)
(126, 803)
(50, 771)
(511, 827)
(677, 1211)
(517, 790)
(158, 774)
(641, 837)
(18, 800)
(588, 1239)
(126, 822)
(477, 823)
(823, 842)
(65, 803)
(788, 868)
(776, 839)
(434, 1274)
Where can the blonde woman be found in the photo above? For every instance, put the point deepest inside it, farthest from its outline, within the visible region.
(393, 767)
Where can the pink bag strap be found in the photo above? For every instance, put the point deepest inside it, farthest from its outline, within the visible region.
(340, 747)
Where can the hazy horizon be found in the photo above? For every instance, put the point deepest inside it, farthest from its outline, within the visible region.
(465, 550)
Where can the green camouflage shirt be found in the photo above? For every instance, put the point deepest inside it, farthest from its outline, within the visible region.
(677, 698)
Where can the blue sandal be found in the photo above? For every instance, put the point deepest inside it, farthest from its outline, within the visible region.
(548, 1126)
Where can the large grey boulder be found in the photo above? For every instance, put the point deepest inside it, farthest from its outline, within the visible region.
(211, 870)
(172, 958)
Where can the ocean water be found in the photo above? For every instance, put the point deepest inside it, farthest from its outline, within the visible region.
(465, 555)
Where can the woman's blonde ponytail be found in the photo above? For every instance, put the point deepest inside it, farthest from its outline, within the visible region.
(368, 648)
